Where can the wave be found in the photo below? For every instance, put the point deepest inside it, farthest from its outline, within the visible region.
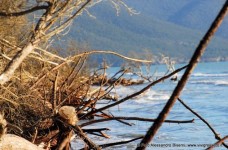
(209, 75)
(215, 82)
(155, 97)
(149, 96)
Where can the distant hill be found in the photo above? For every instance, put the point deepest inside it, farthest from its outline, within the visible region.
(170, 27)
(194, 14)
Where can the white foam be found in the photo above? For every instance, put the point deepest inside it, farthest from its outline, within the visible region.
(152, 96)
(213, 82)
(122, 91)
(209, 75)
(149, 96)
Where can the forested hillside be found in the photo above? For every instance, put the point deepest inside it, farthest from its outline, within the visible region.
(171, 27)
(194, 14)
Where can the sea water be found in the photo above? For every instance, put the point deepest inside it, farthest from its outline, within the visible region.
(206, 93)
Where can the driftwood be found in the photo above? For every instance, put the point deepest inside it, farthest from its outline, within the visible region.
(105, 81)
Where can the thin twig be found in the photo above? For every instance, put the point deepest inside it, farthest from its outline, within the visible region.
(54, 96)
(134, 118)
(71, 73)
(67, 22)
(117, 54)
(95, 130)
(119, 143)
(44, 75)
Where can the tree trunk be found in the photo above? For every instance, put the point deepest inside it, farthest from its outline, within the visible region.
(15, 63)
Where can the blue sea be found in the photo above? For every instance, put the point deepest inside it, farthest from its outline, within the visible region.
(206, 93)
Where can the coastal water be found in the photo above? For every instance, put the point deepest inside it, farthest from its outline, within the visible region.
(206, 93)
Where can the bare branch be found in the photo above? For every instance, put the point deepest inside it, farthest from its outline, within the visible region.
(16, 14)
(119, 143)
(133, 118)
(114, 53)
(80, 133)
(67, 22)
(50, 54)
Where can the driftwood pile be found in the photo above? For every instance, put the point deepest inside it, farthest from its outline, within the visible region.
(44, 105)
(47, 114)
(44, 102)
(66, 115)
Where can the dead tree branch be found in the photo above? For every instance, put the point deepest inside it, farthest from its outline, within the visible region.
(95, 130)
(114, 53)
(119, 143)
(81, 134)
(133, 118)
(16, 14)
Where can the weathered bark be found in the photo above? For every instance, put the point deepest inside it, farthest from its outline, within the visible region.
(176, 93)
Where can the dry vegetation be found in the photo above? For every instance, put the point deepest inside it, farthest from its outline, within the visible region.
(41, 82)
